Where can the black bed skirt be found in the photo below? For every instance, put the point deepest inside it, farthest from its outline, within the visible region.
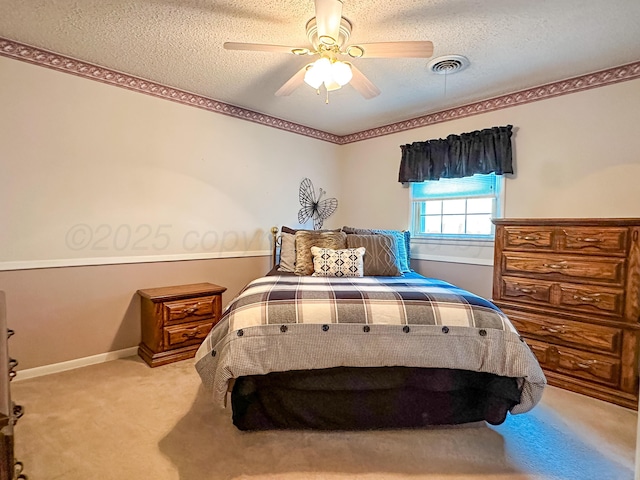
(349, 398)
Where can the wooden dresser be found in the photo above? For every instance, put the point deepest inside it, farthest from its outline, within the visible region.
(10, 469)
(572, 289)
(175, 320)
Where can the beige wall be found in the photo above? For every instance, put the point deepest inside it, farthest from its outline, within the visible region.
(575, 156)
(80, 152)
(93, 171)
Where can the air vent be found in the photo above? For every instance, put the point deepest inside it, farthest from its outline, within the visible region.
(448, 64)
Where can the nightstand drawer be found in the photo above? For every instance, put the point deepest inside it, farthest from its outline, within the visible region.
(190, 310)
(576, 363)
(586, 336)
(186, 334)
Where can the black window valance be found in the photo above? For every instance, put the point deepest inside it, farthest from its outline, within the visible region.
(483, 151)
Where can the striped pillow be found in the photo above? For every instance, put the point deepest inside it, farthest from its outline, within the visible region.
(381, 257)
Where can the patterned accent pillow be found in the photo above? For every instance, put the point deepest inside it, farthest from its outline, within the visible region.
(338, 263)
(306, 239)
(381, 257)
(287, 252)
(403, 239)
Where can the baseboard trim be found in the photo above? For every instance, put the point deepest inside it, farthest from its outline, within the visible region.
(73, 364)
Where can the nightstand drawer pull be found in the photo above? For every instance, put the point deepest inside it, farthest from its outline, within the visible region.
(191, 310)
(589, 240)
(554, 329)
(10, 333)
(526, 290)
(556, 266)
(585, 365)
(191, 334)
(13, 363)
(584, 298)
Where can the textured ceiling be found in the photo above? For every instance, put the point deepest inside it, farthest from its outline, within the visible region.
(511, 44)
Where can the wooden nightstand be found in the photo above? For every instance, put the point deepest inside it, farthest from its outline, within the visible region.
(175, 320)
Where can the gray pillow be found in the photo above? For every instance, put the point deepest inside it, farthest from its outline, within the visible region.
(403, 242)
(287, 253)
(380, 258)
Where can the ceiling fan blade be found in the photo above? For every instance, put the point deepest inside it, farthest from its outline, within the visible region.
(293, 83)
(261, 47)
(362, 84)
(393, 50)
(328, 16)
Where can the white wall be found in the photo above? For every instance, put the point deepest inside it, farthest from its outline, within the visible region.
(89, 170)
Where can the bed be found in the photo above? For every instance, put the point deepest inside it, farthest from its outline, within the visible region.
(326, 352)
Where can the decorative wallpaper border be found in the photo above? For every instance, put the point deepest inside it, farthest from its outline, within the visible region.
(44, 58)
(563, 87)
(19, 51)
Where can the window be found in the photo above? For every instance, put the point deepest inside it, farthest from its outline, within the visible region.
(456, 207)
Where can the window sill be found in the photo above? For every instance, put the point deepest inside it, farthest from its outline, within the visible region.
(459, 250)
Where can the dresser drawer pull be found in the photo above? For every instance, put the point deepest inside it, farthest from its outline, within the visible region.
(13, 363)
(189, 311)
(190, 335)
(18, 411)
(529, 237)
(592, 298)
(18, 468)
(10, 333)
(12, 374)
(556, 266)
(589, 240)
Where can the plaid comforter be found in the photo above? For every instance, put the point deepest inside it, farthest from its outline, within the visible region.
(281, 323)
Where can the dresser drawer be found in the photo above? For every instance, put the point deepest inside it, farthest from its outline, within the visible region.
(586, 336)
(591, 298)
(576, 363)
(564, 267)
(525, 290)
(528, 238)
(609, 241)
(186, 334)
(190, 310)
(570, 296)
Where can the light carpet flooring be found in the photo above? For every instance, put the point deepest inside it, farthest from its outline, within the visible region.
(124, 420)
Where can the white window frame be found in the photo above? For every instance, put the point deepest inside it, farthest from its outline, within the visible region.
(443, 238)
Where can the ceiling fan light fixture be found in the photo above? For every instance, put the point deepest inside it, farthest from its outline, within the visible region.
(341, 72)
(333, 73)
(318, 72)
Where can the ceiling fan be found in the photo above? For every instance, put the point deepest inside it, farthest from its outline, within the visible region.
(328, 33)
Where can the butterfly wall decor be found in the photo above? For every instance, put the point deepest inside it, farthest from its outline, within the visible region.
(314, 207)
